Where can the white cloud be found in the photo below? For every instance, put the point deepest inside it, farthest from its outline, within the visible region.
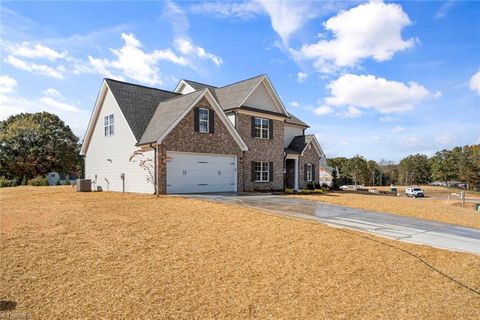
(35, 68)
(186, 47)
(475, 82)
(351, 112)
(241, 10)
(368, 91)
(323, 110)
(371, 30)
(294, 104)
(444, 10)
(301, 77)
(397, 129)
(289, 16)
(135, 63)
(34, 50)
(7, 84)
(52, 93)
(388, 119)
(58, 105)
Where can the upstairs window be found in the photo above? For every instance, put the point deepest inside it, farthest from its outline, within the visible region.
(203, 120)
(262, 128)
(108, 125)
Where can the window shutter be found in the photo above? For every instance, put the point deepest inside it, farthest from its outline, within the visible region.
(253, 127)
(195, 119)
(270, 168)
(253, 171)
(305, 172)
(313, 173)
(270, 128)
(211, 119)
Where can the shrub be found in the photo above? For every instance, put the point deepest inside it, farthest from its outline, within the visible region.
(4, 183)
(317, 185)
(310, 185)
(58, 182)
(38, 181)
(24, 181)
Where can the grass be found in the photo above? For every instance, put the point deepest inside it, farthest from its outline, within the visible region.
(433, 209)
(110, 255)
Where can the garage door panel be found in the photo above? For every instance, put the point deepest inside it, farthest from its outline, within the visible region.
(190, 172)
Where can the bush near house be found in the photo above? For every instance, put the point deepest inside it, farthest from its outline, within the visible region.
(38, 181)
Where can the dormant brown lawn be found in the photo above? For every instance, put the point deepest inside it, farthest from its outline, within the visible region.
(429, 209)
(71, 255)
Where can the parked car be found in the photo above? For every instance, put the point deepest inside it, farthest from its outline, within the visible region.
(415, 192)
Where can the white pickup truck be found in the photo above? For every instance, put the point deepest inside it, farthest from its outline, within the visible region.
(415, 192)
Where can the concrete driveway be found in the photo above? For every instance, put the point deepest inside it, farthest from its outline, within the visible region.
(412, 230)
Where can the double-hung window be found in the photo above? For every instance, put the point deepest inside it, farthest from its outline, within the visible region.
(262, 171)
(309, 172)
(203, 120)
(108, 125)
(262, 128)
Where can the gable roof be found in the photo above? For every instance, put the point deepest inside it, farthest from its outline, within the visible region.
(295, 120)
(198, 85)
(233, 95)
(166, 113)
(300, 143)
(137, 103)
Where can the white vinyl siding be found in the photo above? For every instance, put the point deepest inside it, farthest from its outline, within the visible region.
(108, 158)
(262, 171)
(290, 132)
(261, 99)
(203, 120)
(262, 128)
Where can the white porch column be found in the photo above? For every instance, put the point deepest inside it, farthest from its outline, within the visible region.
(296, 175)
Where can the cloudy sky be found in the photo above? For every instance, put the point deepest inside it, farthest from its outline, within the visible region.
(380, 79)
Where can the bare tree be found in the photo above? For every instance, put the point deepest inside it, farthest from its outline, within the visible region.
(147, 164)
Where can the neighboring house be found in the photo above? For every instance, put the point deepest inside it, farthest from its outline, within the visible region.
(201, 138)
(326, 173)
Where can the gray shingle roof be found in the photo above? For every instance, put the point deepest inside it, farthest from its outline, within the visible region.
(138, 103)
(299, 143)
(165, 115)
(232, 96)
(198, 85)
(295, 120)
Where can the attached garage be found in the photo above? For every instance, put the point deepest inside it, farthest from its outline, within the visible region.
(198, 172)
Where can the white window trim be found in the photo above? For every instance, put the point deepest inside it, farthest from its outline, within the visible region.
(262, 171)
(309, 172)
(200, 121)
(109, 124)
(262, 127)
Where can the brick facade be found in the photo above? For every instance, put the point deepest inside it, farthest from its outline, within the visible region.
(269, 150)
(184, 138)
(310, 156)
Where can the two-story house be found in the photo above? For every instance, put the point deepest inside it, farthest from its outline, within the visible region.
(198, 138)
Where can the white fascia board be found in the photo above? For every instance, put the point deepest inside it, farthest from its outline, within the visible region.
(317, 147)
(93, 117)
(206, 93)
(271, 92)
(277, 98)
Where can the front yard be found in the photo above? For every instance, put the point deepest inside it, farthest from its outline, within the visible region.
(111, 255)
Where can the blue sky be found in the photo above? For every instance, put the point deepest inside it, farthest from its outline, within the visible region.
(380, 79)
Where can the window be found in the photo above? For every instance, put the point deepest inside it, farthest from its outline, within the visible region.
(309, 172)
(203, 120)
(108, 124)
(262, 171)
(262, 128)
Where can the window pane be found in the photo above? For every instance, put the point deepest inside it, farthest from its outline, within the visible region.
(265, 166)
(203, 114)
(111, 130)
(265, 133)
(106, 131)
(265, 176)
(111, 119)
(203, 126)
(258, 122)
(258, 166)
(105, 120)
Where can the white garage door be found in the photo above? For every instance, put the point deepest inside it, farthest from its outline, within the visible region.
(195, 172)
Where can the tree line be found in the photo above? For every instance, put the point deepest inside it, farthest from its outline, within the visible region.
(33, 144)
(458, 164)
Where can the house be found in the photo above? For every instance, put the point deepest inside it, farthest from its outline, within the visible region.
(198, 138)
(326, 173)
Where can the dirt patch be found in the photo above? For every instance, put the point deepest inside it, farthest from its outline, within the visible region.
(111, 255)
(423, 208)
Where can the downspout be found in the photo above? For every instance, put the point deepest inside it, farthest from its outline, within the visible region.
(155, 179)
(284, 171)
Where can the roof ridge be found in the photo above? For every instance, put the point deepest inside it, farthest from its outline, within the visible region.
(237, 82)
(205, 84)
(142, 86)
(179, 96)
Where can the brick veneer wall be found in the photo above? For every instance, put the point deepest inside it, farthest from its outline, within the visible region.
(309, 156)
(184, 138)
(270, 150)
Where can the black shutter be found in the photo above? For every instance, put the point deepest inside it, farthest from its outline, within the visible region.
(305, 172)
(253, 127)
(313, 173)
(270, 167)
(270, 128)
(195, 119)
(211, 119)
(253, 170)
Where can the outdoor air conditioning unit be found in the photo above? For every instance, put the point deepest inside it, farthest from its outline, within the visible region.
(84, 185)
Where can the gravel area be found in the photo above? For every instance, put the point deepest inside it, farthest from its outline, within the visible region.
(71, 255)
